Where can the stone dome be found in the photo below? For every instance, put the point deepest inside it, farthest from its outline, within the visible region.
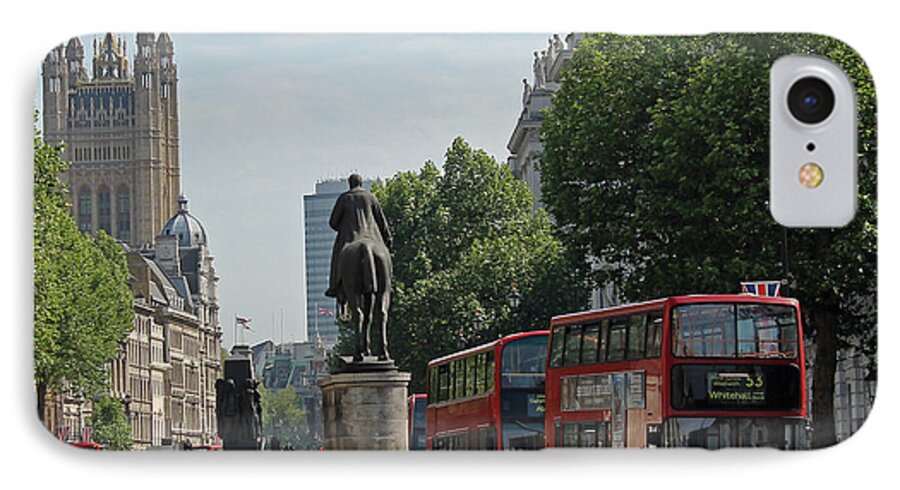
(185, 226)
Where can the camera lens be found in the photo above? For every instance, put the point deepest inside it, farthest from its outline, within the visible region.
(811, 100)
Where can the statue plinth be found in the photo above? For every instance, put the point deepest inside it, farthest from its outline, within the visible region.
(369, 364)
(366, 410)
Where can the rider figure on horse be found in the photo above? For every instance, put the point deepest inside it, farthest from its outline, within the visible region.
(360, 258)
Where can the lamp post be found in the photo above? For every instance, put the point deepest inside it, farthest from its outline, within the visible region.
(785, 268)
(515, 300)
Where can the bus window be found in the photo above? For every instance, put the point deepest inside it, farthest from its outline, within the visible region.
(451, 380)
(734, 330)
(654, 333)
(432, 383)
(490, 438)
(556, 346)
(604, 334)
(570, 435)
(767, 330)
(637, 334)
(479, 373)
(489, 372)
(484, 439)
(582, 434)
(459, 373)
(571, 356)
(523, 362)
(704, 330)
(617, 339)
(443, 382)
(589, 344)
(470, 376)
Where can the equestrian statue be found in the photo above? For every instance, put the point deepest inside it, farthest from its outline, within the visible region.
(361, 267)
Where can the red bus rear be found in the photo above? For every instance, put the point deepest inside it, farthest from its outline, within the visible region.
(490, 396)
(701, 371)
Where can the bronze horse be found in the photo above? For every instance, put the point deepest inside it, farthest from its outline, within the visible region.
(361, 266)
(365, 293)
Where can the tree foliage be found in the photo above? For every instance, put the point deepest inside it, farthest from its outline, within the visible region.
(463, 239)
(284, 420)
(82, 302)
(656, 161)
(109, 423)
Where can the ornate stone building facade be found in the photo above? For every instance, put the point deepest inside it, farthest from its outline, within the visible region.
(524, 144)
(193, 333)
(166, 369)
(120, 129)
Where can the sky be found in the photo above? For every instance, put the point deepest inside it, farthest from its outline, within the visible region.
(265, 116)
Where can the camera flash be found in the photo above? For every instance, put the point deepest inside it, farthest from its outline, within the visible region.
(811, 175)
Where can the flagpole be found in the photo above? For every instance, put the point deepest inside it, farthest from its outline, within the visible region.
(316, 324)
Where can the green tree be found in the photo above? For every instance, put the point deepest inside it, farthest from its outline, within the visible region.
(463, 239)
(110, 425)
(671, 188)
(284, 420)
(82, 302)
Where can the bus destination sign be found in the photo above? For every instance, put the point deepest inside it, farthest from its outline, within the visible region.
(737, 388)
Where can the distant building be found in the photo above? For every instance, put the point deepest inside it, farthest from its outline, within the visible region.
(297, 366)
(524, 144)
(320, 309)
(854, 390)
(194, 339)
(165, 372)
(120, 129)
(261, 353)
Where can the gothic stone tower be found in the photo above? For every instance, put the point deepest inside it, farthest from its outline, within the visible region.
(120, 130)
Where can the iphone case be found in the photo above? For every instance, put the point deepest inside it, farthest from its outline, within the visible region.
(508, 242)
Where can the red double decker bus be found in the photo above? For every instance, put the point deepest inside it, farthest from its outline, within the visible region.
(490, 396)
(701, 371)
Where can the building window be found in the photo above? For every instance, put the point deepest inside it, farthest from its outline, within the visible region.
(104, 209)
(84, 210)
(123, 214)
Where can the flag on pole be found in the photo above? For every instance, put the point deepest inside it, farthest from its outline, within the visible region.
(63, 433)
(325, 312)
(243, 322)
(86, 434)
(762, 288)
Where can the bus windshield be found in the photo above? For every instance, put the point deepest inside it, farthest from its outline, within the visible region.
(522, 392)
(522, 364)
(735, 330)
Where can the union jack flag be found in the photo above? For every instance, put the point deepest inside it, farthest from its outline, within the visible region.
(762, 288)
(325, 312)
(243, 322)
(86, 434)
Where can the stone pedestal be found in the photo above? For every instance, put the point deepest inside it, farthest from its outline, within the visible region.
(365, 410)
